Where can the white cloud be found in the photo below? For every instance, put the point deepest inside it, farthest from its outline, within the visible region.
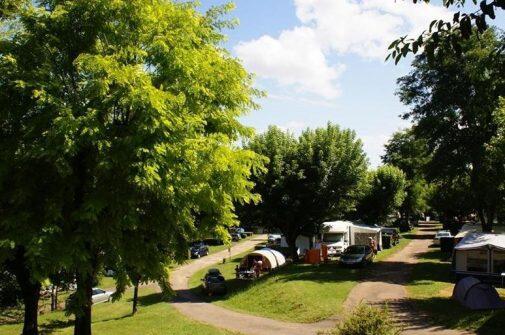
(300, 57)
(294, 127)
(293, 59)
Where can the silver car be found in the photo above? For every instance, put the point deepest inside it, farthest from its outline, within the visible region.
(100, 295)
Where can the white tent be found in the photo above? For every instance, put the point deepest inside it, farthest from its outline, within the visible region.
(480, 254)
(270, 258)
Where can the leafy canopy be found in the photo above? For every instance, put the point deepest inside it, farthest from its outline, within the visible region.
(118, 124)
(309, 179)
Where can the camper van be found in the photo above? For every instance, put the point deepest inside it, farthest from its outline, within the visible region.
(338, 235)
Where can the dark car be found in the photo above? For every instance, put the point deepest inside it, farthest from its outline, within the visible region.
(214, 282)
(357, 255)
(235, 237)
(198, 249)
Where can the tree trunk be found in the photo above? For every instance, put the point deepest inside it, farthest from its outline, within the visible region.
(135, 295)
(54, 297)
(83, 315)
(30, 291)
(293, 250)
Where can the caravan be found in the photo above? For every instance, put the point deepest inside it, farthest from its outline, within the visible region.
(338, 235)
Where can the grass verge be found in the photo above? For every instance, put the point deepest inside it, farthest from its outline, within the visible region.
(430, 289)
(155, 317)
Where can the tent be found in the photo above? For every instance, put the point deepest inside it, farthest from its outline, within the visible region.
(270, 258)
(480, 255)
(475, 295)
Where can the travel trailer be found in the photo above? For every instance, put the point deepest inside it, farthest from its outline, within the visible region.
(338, 235)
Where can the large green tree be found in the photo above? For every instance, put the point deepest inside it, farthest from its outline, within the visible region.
(311, 179)
(453, 100)
(385, 192)
(409, 153)
(118, 124)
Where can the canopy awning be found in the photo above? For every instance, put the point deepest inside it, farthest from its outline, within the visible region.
(475, 240)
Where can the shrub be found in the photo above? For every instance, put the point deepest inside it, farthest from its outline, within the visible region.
(367, 320)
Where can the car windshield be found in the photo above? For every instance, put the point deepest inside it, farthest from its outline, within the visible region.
(444, 234)
(333, 237)
(355, 249)
(97, 291)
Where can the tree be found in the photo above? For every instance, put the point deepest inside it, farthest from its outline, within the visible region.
(410, 155)
(453, 100)
(308, 180)
(385, 193)
(118, 124)
(448, 35)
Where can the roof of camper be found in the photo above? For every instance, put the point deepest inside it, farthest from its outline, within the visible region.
(475, 240)
(343, 226)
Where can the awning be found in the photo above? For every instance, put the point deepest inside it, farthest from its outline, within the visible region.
(477, 240)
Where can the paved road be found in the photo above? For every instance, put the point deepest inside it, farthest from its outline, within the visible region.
(387, 284)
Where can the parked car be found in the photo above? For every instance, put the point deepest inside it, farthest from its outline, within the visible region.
(235, 237)
(440, 234)
(198, 249)
(98, 295)
(214, 282)
(241, 232)
(274, 238)
(357, 255)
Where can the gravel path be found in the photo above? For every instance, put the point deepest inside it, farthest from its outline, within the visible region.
(386, 284)
(190, 305)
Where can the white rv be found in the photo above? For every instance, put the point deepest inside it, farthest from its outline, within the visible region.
(338, 235)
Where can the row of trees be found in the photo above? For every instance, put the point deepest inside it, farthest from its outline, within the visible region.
(321, 175)
(118, 124)
(457, 140)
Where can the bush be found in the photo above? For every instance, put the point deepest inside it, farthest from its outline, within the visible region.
(367, 320)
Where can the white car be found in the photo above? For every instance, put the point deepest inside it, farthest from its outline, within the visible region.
(100, 295)
(439, 235)
(274, 238)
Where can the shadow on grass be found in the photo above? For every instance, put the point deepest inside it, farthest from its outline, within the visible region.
(444, 312)
(54, 325)
(322, 273)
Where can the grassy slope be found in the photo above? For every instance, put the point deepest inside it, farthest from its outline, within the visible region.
(298, 292)
(431, 289)
(155, 317)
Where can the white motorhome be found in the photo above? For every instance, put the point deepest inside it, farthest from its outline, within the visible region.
(338, 235)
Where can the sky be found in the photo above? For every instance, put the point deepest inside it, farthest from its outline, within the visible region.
(322, 61)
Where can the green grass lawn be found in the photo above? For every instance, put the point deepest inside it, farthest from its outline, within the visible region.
(155, 317)
(430, 289)
(296, 292)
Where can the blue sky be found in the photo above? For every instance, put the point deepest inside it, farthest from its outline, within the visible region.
(322, 61)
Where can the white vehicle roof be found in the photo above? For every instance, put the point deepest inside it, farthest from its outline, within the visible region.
(343, 226)
(337, 226)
